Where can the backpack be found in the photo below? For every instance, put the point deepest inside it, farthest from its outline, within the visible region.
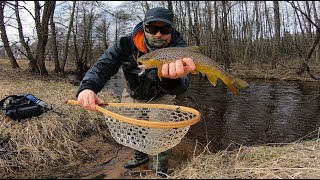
(23, 106)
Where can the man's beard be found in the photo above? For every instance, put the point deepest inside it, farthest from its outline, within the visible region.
(156, 43)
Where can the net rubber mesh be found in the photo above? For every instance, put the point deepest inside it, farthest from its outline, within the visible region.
(149, 140)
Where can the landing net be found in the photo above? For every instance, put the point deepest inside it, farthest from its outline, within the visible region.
(149, 128)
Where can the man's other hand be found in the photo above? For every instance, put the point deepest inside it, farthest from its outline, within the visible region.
(89, 99)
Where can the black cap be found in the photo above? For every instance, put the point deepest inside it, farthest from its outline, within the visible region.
(159, 14)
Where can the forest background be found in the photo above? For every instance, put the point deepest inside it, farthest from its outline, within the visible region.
(261, 34)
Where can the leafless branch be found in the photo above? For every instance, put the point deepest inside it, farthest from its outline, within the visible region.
(15, 44)
(304, 14)
(305, 66)
(21, 7)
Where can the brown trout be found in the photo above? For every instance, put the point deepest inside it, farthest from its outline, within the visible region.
(204, 65)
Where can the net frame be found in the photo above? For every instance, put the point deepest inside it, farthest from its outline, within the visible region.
(151, 136)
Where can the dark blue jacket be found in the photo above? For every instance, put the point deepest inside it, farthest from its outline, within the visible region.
(124, 53)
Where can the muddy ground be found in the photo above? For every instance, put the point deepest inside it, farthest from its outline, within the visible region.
(111, 156)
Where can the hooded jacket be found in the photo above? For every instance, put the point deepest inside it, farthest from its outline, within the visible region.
(125, 53)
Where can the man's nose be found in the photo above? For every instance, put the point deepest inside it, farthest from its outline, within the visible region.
(158, 34)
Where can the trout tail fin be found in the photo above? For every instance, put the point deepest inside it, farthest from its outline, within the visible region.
(236, 84)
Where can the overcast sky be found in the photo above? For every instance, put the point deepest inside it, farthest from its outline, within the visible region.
(27, 20)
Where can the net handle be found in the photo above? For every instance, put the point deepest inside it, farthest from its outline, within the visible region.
(143, 123)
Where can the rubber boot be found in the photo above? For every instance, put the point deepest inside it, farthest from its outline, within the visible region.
(138, 159)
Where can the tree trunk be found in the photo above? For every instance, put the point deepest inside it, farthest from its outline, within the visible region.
(225, 37)
(216, 30)
(4, 38)
(257, 14)
(247, 35)
(267, 23)
(105, 34)
(42, 32)
(54, 45)
(196, 27)
(170, 6)
(75, 32)
(208, 30)
(147, 5)
(276, 46)
(29, 54)
(65, 54)
(190, 33)
(315, 15)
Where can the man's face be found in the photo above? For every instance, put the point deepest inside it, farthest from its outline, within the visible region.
(154, 26)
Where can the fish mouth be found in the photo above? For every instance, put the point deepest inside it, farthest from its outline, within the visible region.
(147, 64)
(143, 67)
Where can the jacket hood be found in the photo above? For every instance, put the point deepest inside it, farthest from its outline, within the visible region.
(137, 28)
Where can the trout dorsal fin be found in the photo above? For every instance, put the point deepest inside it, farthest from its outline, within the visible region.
(194, 48)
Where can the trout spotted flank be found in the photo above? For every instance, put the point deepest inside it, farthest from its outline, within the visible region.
(204, 65)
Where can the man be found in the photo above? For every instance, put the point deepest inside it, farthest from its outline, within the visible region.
(154, 32)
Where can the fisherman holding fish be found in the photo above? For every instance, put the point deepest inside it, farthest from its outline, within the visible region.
(156, 31)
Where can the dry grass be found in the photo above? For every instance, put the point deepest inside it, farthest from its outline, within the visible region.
(297, 160)
(43, 147)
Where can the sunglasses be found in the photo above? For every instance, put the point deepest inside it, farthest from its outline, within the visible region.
(154, 29)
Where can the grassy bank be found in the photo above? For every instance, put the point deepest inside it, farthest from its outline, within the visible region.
(48, 146)
(297, 160)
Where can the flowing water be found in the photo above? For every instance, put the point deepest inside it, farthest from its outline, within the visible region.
(266, 112)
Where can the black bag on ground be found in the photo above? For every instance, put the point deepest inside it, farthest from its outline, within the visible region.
(23, 106)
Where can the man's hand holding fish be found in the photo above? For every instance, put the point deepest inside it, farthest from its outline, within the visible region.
(177, 69)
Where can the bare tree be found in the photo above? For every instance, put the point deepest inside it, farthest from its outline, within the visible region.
(28, 53)
(4, 37)
(55, 53)
(170, 6)
(196, 27)
(102, 32)
(66, 50)
(216, 28)
(248, 32)
(42, 31)
(276, 33)
(315, 15)
(306, 58)
(84, 30)
(268, 26)
(225, 36)
(258, 26)
(147, 6)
